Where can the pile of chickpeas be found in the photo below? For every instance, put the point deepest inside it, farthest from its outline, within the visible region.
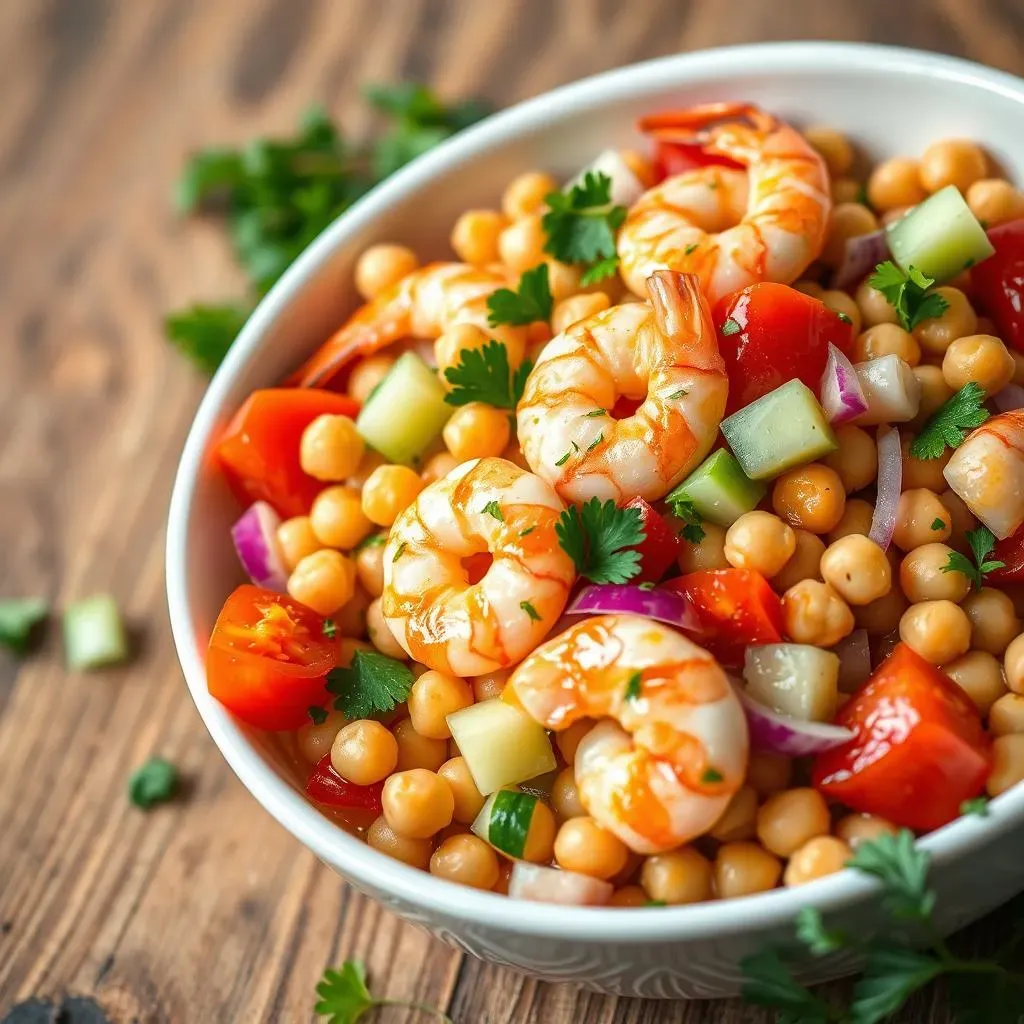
(809, 539)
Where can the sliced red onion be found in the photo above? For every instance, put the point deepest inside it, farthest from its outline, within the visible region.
(854, 654)
(889, 486)
(255, 537)
(863, 254)
(626, 187)
(1009, 398)
(551, 885)
(773, 733)
(612, 599)
(842, 397)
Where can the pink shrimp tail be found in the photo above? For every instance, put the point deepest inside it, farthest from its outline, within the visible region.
(683, 316)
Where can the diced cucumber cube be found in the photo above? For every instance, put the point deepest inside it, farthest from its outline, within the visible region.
(94, 633)
(719, 490)
(782, 429)
(406, 411)
(940, 237)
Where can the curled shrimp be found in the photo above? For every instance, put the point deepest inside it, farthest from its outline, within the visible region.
(667, 354)
(987, 471)
(440, 616)
(670, 746)
(423, 304)
(730, 227)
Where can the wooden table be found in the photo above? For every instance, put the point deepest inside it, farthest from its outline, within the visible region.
(206, 911)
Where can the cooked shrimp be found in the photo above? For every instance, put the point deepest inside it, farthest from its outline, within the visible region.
(730, 227)
(665, 353)
(987, 471)
(671, 747)
(440, 615)
(423, 304)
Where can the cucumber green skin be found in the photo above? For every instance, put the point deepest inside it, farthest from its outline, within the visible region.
(509, 825)
(406, 412)
(783, 429)
(94, 633)
(940, 237)
(719, 489)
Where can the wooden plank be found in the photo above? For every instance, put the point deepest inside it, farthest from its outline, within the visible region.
(206, 910)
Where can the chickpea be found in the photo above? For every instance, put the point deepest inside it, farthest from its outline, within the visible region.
(980, 676)
(364, 752)
(804, 564)
(855, 829)
(815, 614)
(585, 846)
(450, 345)
(1006, 715)
(476, 431)
(937, 630)
(768, 774)
(789, 819)
(350, 618)
(709, 553)
(565, 797)
(569, 739)
(856, 459)
(467, 860)
(432, 698)
(388, 492)
(474, 237)
(922, 577)
(921, 519)
(960, 516)
(313, 740)
(886, 340)
(525, 194)
(337, 517)
(323, 581)
(468, 799)
(874, 307)
(937, 333)
(742, 869)
(295, 540)
(844, 304)
(417, 803)
(330, 448)
(934, 391)
(383, 838)
(848, 221)
(882, 615)
(369, 559)
(1013, 664)
(895, 182)
(918, 473)
(628, 896)
(818, 857)
(366, 374)
(489, 686)
(382, 266)
(994, 201)
(563, 279)
(677, 877)
(760, 541)
(809, 287)
(1007, 763)
(978, 358)
(416, 751)
(834, 148)
(437, 467)
(739, 819)
(857, 568)
(370, 461)
(576, 308)
(521, 244)
(856, 519)
(956, 162)
(994, 621)
(811, 497)
(379, 632)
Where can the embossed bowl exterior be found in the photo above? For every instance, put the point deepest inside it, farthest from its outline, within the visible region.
(889, 101)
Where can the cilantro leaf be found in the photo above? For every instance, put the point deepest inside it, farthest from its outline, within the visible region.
(317, 714)
(154, 783)
(530, 611)
(693, 531)
(600, 540)
(344, 997)
(530, 303)
(712, 775)
(484, 375)
(982, 541)
(811, 931)
(580, 226)
(634, 686)
(908, 293)
(372, 685)
(493, 509)
(950, 423)
(977, 806)
(330, 629)
(937, 523)
(891, 976)
(902, 868)
(18, 617)
(205, 333)
(769, 983)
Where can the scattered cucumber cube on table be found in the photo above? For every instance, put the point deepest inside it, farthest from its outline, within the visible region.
(94, 633)
(719, 489)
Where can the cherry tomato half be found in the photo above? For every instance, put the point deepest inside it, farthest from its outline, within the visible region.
(769, 334)
(326, 786)
(660, 546)
(259, 451)
(1010, 551)
(268, 658)
(998, 283)
(672, 158)
(919, 748)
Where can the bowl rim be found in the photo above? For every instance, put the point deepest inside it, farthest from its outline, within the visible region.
(329, 841)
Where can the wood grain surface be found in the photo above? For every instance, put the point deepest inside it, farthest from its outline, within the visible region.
(206, 911)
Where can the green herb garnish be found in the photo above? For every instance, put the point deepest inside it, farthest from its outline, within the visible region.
(908, 293)
(372, 685)
(950, 423)
(154, 783)
(580, 225)
(982, 541)
(634, 686)
(531, 302)
(484, 375)
(18, 617)
(601, 539)
(345, 998)
(530, 610)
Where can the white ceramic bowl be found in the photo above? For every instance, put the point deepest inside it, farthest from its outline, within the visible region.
(889, 101)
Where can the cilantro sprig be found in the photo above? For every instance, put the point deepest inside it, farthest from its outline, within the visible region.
(908, 293)
(531, 302)
(18, 618)
(153, 783)
(345, 997)
(580, 225)
(601, 540)
(684, 509)
(372, 685)
(982, 541)
(951, 422)
(484, 375)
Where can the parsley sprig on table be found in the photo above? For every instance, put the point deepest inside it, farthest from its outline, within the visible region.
(600, 540)
(484, 375)
(345, 997)
(981, 991)
(372, 685)
(18, 617)
(581, 224)
(277, 195)
(531, 302)
(982, 541)
(908, 293)
(951, 422)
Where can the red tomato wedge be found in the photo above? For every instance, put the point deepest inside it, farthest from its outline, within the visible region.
(1009, 550)
(268, 658)
(326, 786)
(672, 158)
(998, 283)
(736, 608)
(770, 333)
(920, 749)
(259, 450)
(660, 546)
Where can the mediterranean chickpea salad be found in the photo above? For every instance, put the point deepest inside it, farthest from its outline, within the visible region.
(665, 543)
